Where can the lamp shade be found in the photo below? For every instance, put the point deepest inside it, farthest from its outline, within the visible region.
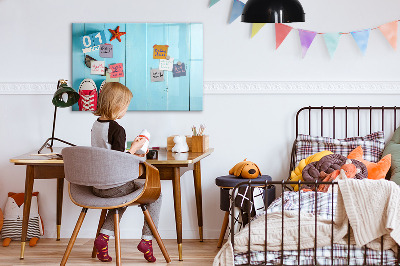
(273, 11)
(65, 96)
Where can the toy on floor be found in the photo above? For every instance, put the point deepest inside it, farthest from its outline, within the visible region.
(13, 215)
(245, 169)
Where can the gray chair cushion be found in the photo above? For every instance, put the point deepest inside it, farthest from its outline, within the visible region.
(99, 167)
(83, 195)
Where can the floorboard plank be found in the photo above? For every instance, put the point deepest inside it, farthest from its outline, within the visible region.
(49, 252)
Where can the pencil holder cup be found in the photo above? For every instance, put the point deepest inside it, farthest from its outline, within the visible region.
(200, 143)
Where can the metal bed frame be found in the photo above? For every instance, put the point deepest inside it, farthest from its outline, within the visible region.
(283, 184)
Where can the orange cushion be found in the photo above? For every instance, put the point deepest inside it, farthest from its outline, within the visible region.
(375, 170)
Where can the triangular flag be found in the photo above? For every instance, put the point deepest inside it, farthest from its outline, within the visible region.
(256, 27)
(306, 39)
(281, 31)
(237, 9)
(361, 37)
(213, 2)
(390, 32)
(332, 41)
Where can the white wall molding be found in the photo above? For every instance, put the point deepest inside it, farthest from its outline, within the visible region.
(302, 87)
(28, 88)
(248, 87)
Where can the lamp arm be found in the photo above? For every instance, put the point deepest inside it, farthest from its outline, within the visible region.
(54, 126)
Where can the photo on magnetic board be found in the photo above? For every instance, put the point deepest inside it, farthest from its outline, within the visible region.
(142, 48)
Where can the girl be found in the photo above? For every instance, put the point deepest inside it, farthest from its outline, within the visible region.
(112, 104)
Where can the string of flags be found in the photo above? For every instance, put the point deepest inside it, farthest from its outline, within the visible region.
(361, 37)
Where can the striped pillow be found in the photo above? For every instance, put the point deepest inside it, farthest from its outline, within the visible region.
(372, 145)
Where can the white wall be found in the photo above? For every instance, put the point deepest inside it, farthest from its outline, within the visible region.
(36, 47)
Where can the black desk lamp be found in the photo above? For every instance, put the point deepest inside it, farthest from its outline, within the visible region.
(63, 97)
(273, 11)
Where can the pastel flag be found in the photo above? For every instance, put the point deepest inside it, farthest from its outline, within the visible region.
(389, 30)
(213, 2)
(256, 27)
(281, 31)
(332, 41)
(361, 37)
(237, 9)
(306, 39)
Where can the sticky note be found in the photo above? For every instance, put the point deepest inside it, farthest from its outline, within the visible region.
(106, 50)
(97, 68)
(160, 51)
(179, 70)
(117, 70)
(166, 64)
(156, 75)
(110, 79)
(91, 42)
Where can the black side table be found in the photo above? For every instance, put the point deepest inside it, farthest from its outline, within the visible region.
(226, 183)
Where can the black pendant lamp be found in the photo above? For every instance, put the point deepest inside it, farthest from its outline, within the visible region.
(273, 11)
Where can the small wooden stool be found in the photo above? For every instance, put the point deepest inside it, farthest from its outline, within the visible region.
(226, 183)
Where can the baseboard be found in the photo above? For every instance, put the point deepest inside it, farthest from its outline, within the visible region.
(246, 87)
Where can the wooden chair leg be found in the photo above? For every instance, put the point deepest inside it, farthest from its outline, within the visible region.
(101, 222)
(117, 238)
(73, 237)
(223, 229)
(154, 230)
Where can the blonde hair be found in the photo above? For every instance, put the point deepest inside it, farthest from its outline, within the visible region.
(112, 99)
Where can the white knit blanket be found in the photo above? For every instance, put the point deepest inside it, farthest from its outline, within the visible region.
(372, 207)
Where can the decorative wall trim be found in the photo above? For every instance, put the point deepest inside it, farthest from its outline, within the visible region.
(27, 88)
(248, 87)
(302, 87)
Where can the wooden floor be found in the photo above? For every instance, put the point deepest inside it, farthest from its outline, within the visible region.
(50, 252)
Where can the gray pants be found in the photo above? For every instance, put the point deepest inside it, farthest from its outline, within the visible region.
(154, 208)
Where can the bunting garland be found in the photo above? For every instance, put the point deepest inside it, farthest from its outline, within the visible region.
(213, 2)
(281, 31)
(332, 41)
(256, 27)
(389, 30)
(361, 37)
(237, 9)
(306, 39)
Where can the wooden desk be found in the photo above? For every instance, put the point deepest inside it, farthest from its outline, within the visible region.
(168, 164)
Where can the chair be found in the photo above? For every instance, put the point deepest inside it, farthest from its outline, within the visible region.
(85, 167)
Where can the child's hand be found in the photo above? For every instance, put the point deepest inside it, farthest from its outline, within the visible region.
(137, 144)
(142, 155)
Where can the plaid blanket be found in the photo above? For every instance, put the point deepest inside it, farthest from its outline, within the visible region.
(323, 205)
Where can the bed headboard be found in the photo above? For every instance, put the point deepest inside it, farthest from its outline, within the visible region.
(344, 121)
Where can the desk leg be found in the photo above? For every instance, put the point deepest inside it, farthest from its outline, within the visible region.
(60, 190)
(199, 204)
(176, 182)
(27, 206)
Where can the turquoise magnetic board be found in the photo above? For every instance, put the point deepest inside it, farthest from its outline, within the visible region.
(153, 90)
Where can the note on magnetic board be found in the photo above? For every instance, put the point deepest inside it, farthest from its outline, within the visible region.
(179, 70)
(106, 50)
(110, 79)
(92, 41)
(97, 68)
(117, 70)
(166, 64)
(160, 51)
(156, 75)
